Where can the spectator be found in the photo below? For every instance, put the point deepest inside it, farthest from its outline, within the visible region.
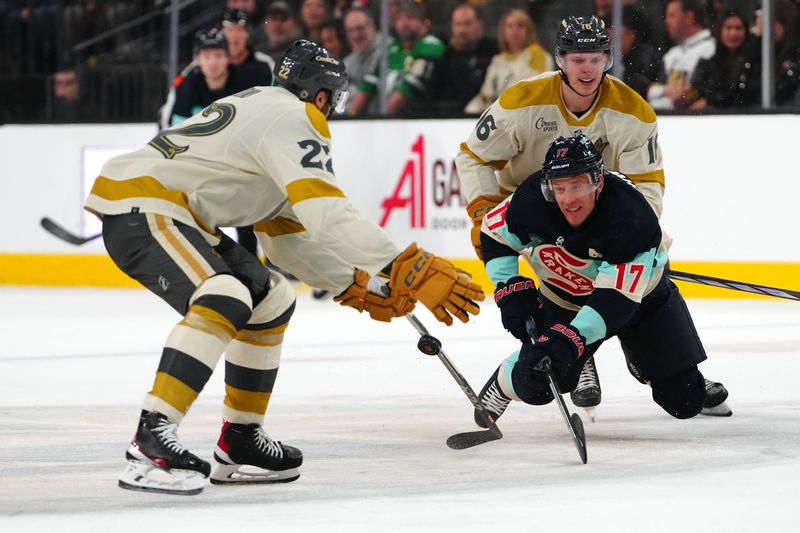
(313, 14)
(730, 78)
(331, 37)
(240, 54)
(237, 33)
(466, 60)
(367, 45)
(787, 52)
(685, 23)
(520, 57)
(413, 59)
(281, 28)
(255, 18)
(67, 105)
(640, 60)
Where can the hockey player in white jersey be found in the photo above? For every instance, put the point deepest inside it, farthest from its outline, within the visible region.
(512, 136)
(259, 157)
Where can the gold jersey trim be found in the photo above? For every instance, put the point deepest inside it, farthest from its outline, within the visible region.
(318, 120)
(308, 188)
(279, 226)
(497, 165)
(144, 187)
(614, 95)
(656, 176)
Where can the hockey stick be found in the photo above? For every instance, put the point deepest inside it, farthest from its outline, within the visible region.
(65, 235)
(573, 421)
(430, 345)
(734, 285)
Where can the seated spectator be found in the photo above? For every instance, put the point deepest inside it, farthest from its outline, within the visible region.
(331, 37)
(787, 52)
(685, 23)
(413, 58)
(237, 33)
(67, 105)
(214, 78)
(466, 60)
(520, 57)
(313, 14)
(367, 45)
(731, 77)
(240, 54)
(281, 28)
(640, 60)
(255, 17)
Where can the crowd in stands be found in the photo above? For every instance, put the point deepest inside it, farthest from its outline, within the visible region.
(445, 57)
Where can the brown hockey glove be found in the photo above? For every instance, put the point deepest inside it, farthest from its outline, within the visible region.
(437, 283)
(382, 308)
(476, 210)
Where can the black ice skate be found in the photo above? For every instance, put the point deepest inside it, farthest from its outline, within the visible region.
(158, 462)
(245, 454)
(587, 393)
(714, 404)
(493, 399)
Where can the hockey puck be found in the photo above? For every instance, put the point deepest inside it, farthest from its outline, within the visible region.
(429, 345)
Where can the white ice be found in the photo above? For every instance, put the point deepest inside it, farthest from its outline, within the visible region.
(371, 415)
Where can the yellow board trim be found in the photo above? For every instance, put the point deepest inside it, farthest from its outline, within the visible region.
(71, 270)
(308, 188)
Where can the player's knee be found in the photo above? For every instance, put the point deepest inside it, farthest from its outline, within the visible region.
(681, 395)
(227, 297)
(530, 385)
(278, 305)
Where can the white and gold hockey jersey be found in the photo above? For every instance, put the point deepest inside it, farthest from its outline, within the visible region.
(513, 134)
(260, 157)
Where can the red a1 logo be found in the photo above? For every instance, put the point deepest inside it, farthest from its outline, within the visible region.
(410, 188)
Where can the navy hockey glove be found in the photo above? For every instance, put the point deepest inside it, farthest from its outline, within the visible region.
(517, 299)
(562, 345)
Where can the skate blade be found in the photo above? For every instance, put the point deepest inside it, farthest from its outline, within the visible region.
(242, 474)
(720, 410)
(590, 412)
(145, 477)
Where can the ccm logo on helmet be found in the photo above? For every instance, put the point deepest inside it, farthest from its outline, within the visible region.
(331, 60)
(571, 335)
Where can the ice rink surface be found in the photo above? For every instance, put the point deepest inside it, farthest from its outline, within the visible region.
(371, 415)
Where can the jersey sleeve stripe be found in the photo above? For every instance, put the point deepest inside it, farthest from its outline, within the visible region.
(279, 226)
(142, 188)
(656, 176)
(309, 188)
(497, 165)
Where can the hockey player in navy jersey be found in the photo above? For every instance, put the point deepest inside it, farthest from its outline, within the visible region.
(596, 247)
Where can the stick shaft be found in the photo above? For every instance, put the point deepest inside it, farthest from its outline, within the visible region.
(734, 285)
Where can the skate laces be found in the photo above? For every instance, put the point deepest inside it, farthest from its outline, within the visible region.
(709, 384)
(267, 445)
(167, 433)
(588, 377)
(494, 399)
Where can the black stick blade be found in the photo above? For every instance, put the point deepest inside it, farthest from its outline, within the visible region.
(579, 436)
(57, 231)
(468, 439)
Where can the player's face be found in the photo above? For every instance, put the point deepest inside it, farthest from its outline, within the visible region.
(213, 62)
(584, 70)
(576, 198)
